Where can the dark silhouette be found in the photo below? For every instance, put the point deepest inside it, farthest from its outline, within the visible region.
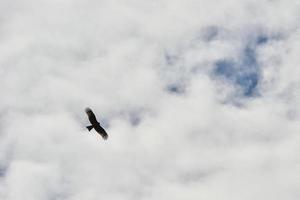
(95, 124)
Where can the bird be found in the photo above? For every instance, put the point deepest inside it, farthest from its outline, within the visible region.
(95, 124)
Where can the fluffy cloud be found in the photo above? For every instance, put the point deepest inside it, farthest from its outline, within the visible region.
(200, 99)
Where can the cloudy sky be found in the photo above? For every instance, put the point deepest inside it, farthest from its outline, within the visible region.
(201, 99)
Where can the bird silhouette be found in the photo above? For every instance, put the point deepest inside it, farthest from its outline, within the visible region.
(95, 124)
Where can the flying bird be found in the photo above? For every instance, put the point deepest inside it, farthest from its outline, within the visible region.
(95, 124)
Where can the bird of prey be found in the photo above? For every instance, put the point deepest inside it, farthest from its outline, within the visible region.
(95, 124)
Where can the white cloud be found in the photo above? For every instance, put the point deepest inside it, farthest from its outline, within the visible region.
(176, 129)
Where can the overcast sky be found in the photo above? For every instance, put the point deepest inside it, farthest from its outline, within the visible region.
(201, 99)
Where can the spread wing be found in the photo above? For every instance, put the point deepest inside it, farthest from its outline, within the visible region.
(91, 116)
(101, 131)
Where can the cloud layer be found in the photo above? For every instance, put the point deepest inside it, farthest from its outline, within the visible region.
(200, 99)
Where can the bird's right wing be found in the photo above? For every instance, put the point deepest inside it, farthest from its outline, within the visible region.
(91, 115)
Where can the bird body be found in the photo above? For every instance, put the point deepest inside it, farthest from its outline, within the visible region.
(95, 123)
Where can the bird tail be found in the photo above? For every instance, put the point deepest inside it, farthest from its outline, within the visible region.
(89, 127)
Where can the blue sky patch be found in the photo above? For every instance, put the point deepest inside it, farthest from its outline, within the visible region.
(262, 39)
(244, 72)
(175, 88)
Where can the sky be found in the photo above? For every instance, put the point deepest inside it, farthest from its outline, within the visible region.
(201, 99)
